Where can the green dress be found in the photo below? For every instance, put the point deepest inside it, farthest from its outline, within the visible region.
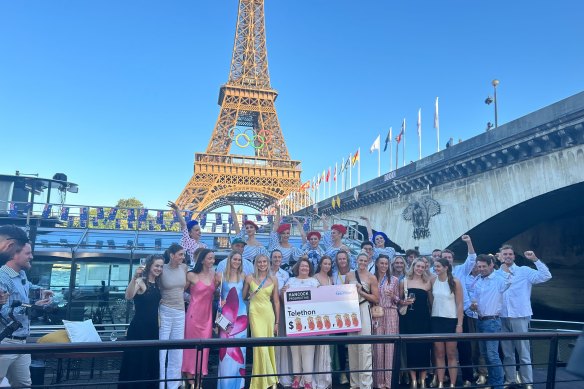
(262, 321)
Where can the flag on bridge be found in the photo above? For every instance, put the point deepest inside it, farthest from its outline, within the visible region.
(355, 158)
(398, 138)
(160, 217)
(203, 220)
(387, 139)
(376, 144)
(100, 213)
(131, 215)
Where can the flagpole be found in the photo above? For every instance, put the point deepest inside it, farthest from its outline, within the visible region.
(343, 174)
(336, 178)
(350, 172)
(404, 144)
(330, 180)
(397, 156)
(390, 149)
(437, 125)
(359, 167)
(379, 161)
(419, 133)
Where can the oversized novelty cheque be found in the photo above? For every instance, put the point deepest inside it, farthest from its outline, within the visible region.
(323, 310)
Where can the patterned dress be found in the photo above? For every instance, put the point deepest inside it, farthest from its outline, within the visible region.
(289, 254)
(386, 325)
(232, 359)
(250, 252)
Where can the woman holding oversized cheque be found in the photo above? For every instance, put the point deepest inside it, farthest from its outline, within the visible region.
(303, 357)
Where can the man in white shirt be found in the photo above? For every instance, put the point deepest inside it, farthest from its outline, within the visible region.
(487, 302)
(517, 312)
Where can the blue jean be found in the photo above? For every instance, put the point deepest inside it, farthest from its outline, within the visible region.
(491, 352)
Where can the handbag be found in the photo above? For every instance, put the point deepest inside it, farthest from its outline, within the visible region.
(404, 308)
(221, 321)
(377, 311)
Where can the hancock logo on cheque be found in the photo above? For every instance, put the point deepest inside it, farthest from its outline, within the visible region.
(300, 295)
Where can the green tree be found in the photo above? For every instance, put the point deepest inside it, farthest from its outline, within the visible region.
(132, 202)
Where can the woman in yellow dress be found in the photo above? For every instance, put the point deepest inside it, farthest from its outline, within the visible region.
(264, 308)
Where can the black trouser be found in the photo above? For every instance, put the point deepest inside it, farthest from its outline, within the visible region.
(465, 352)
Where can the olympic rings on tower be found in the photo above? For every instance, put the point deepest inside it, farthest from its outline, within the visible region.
(248, 137)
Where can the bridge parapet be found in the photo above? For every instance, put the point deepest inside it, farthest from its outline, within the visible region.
(556, 127)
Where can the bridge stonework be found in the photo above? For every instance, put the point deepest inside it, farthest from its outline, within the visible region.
(430, 203)
(467, 202)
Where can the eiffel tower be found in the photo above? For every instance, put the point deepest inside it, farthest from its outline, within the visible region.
(248, 118)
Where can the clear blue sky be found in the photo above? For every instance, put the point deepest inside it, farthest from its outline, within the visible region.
(119, 95)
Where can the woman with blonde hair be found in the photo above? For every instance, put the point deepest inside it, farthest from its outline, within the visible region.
(264, 308)
(360, 356)
(415, 290)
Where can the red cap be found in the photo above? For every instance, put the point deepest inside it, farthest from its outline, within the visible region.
(340, 228)
(251, 223)
(313, 233)
(283, 227)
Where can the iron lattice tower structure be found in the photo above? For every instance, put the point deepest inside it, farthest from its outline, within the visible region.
(248, 117)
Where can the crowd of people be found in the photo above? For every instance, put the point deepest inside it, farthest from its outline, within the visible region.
(409, 294)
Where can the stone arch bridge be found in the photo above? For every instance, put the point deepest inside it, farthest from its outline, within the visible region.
(521, 183)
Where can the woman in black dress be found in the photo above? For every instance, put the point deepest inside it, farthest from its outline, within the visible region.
(417, 320)
(142, 364)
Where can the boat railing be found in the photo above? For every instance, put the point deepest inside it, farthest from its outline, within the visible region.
(97, 365)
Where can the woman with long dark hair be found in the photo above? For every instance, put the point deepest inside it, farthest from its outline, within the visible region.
(199, 319)
(324, 271)
(386, 325)
(172, 313)
(142, 364)
(447, 317)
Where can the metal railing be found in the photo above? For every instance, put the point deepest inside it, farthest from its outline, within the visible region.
(66, 357)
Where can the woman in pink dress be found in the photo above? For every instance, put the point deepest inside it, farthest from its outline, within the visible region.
(199, 319)
(386, 325)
